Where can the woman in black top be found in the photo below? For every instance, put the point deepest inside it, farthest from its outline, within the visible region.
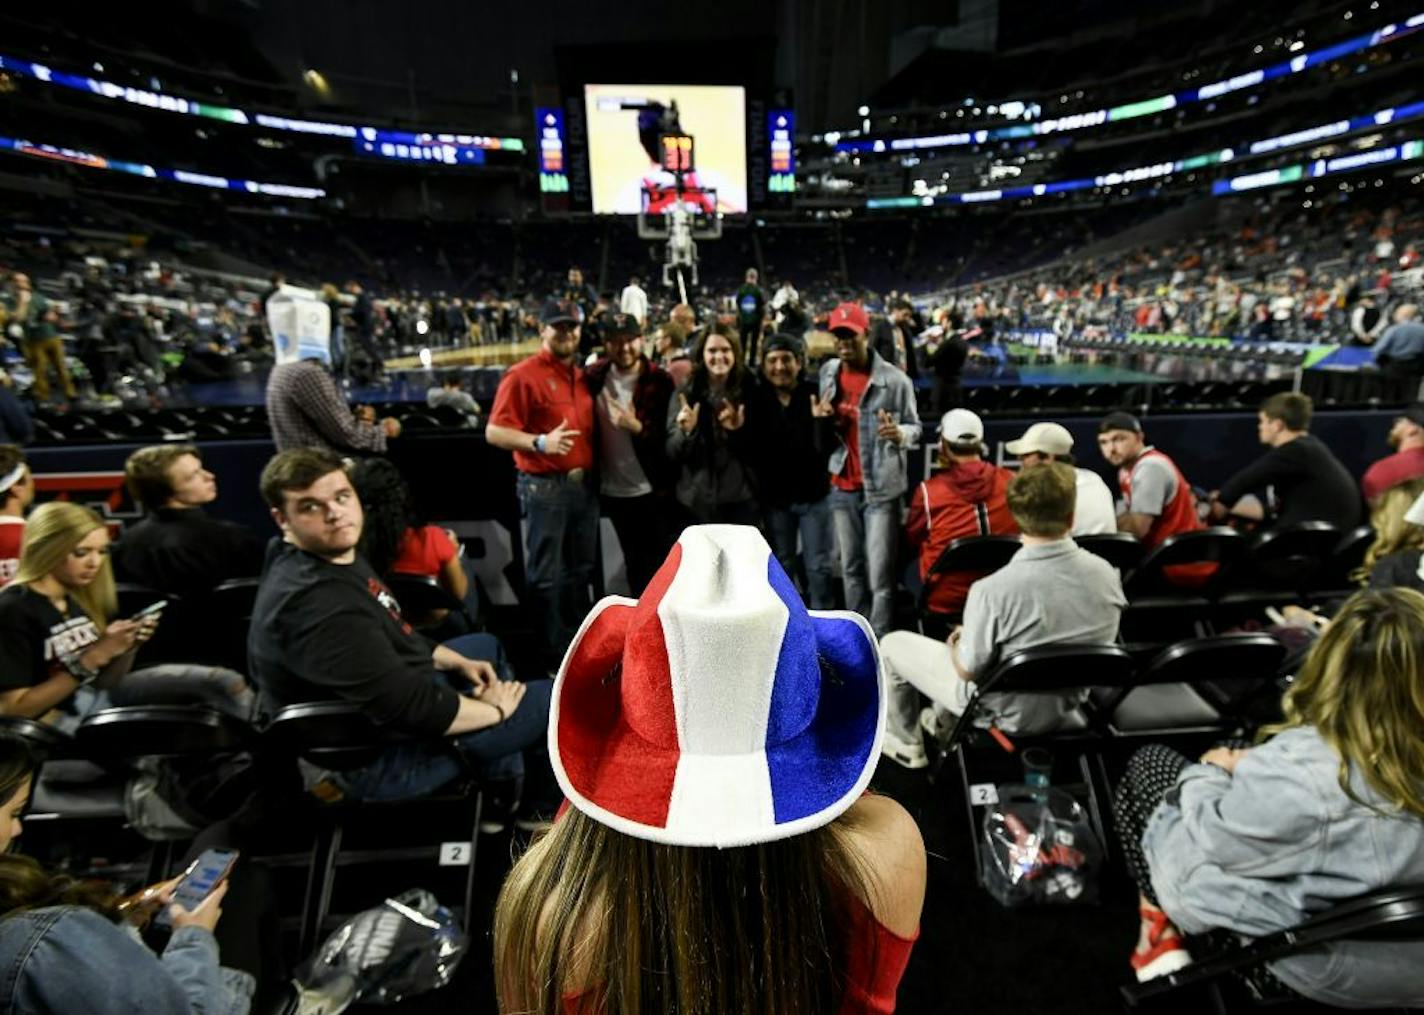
(55, 636)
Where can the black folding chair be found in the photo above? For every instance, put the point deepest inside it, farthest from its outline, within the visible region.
(1122, 550)
(1281, 565)
(420, 596)
(1159, 607)
(1046, 668)
(974, 555)
(1345, 558)
(133, 732)
(1195, 686)
(339, 736)
(1391, 914)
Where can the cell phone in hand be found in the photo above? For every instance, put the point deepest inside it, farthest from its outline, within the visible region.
(202, 876)
(151, 610)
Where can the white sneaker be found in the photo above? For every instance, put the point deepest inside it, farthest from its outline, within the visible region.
(903, 752)
(929, 722)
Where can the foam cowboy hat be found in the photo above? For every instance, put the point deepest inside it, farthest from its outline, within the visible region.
(717, 710)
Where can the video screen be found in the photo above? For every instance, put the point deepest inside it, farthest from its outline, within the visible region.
(624, 124)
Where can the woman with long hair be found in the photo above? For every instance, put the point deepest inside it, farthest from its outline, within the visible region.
(1394, 556)
(396, 539)
(1327, 807)
(720, 855)
(709, 436)
(55, 633)
(47, 919)
(61, 652)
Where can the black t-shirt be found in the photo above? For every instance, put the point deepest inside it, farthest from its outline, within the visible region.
(751, 303)
(791, 453)
(333, 632)
(186, 552)
(1398, 570)
(1308, 482)
(35, 637)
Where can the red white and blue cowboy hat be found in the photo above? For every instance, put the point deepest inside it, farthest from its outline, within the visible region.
(717, 710)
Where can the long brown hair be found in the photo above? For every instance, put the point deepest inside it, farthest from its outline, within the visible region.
(1362, 688)
(635, 926)
(1392, 532)
(24, 884)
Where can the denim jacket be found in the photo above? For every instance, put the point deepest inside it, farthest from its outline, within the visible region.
(882, 464)
(64, 959)
(1279, 841)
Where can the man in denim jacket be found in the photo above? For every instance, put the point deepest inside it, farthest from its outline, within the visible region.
(873, 404)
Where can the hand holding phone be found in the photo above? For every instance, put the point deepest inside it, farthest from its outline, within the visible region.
(197, 899)
(151, 610)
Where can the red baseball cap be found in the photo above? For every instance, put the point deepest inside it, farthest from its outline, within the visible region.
(850, 316)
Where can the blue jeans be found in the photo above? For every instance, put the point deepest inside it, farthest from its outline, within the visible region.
(813, 523)
(867, 535)
(421, 767)
(561, 550)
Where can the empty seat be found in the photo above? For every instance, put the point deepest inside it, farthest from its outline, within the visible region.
(1122, 550)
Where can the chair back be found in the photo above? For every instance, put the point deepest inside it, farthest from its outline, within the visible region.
(1225, 669)
(160, 731)
(420, 594)
(337, 735)
(1346, 556)
(1289, 556)
(1122, 550)
(1220, 545)
(1061, 667)
(43, 740)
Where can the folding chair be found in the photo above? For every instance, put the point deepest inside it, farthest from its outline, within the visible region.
(1390, 914)
(339, 736)
(1122, 550)
(1280, 566)
(976, 555)
(1158, 609)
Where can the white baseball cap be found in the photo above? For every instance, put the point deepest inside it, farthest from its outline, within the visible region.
(960, 426)
(1044, 438)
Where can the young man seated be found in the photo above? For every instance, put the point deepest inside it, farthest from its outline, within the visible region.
(177, 547)
(1051, 592)
(325, 628)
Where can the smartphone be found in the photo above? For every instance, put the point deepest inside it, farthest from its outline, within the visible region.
(150, 610)
(201, 877)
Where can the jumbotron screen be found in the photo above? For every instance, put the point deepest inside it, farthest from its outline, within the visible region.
(625, 123)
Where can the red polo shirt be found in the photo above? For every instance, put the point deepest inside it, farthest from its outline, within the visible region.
(536, 395)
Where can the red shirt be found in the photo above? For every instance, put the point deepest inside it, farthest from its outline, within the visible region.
(852, 385)
(1400, 467)
(425, 550)
(876, 963)
(12, 533)
(536, 395)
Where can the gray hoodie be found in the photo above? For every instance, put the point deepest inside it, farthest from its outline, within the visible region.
(1279, 842)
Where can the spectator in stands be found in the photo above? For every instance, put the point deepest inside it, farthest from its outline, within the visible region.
(1406, 437)
(873, 405)
(685, 318)
(306, 410)
(58, 633)
(794, 435)
(451, 391)
(1018, 607)
(395, 539)
(1393, 558)
(633, 301)
(363, 323)
(325, 628)
(41, 345)
(965, 498)
(1339, 781)
(636, 478)
(1157, 501)
(707, 436)
(751, 314)
(544, 413)
(670, 352)
(177, 548)
(17, 493)
(761, 878)
(1298, 480)
(48, 919)
(1400, 349)
(16, 426)
(1051, 442)
(580, 293)
(893, 337)
(947, 356)
(1366, 322)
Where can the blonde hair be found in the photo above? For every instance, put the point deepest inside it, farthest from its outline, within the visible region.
(1392, 532)
(1362, 689)
(637, 926)
(52, 532)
